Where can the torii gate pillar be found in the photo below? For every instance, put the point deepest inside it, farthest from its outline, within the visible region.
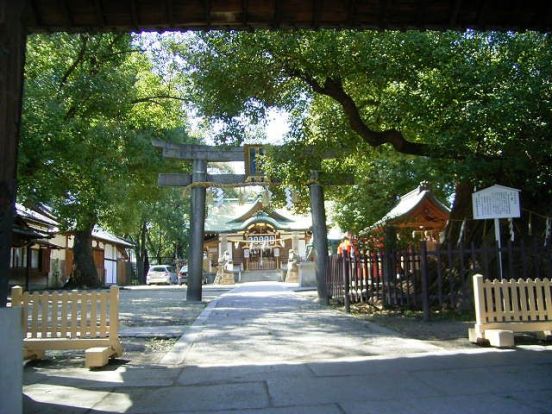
(195, 261)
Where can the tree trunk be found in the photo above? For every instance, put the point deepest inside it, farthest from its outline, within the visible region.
(142, 255)
(461, 209)
(84, 274)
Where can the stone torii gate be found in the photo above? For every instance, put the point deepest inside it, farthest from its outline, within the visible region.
(199, 180)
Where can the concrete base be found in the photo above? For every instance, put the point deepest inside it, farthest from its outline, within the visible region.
(225, 279)
(500, 338)
(292, 275)
(97, 357)
(307, 275)
(11, 361)
(473, 336)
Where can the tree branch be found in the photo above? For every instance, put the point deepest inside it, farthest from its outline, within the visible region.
(333, 88)
(76, 62)
(154, 97)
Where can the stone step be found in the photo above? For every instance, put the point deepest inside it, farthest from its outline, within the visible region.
(261, 276)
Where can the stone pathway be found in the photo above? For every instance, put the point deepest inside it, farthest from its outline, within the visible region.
(268, 323)
(263, 349)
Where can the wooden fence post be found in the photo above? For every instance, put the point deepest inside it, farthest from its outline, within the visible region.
(479, 298)
(347, 281)
(16, 296)
(425, 281)
(113, 311)
(389, 269)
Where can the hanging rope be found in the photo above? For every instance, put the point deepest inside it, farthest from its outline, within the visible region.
(547, 231)
(289, 198)
(461, 235)
(207, 184)
(511, 227)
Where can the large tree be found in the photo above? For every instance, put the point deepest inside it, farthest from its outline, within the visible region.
(91, 106)
(475, 108)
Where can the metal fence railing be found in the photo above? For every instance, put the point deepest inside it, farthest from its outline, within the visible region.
(419, 279)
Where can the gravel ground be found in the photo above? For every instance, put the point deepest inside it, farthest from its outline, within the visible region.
(142, 306)
(445, 330)
(157, 306)
(446, 333)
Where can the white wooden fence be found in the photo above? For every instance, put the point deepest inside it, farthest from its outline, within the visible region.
(69, 320)
(521, 305)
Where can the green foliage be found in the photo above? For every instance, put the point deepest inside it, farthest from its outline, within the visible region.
(92, 106)
(476, 106)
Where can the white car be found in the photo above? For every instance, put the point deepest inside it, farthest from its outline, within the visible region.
(161, 274)
(183, 275)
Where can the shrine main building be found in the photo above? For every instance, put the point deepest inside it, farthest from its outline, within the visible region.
(257, 237)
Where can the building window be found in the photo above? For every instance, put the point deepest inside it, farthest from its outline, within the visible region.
(19, 257)
(35, 259)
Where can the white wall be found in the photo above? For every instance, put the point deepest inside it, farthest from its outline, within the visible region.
(110, 251)
(302, 248)
(110, 272)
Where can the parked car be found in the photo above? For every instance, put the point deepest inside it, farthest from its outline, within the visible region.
(161, 274)
(183, 275)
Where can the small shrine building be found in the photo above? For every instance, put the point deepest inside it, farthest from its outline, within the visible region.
(255, 236)
(419, 212)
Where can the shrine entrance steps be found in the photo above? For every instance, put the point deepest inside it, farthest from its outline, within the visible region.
(261, 276)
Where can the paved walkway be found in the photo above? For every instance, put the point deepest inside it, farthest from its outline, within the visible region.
(263, 349)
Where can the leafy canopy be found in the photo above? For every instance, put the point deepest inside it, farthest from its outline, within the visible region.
(92, 105)
(397, 107)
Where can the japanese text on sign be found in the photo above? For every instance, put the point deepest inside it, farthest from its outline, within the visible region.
(495, 202)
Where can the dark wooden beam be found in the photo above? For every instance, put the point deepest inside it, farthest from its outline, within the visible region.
(68, 15)
(546, 17)
(276, 17)
(316, 14)
(169, 11)
(481, 14)
(352, 13)
(12, 62)
(453, 20)
(207, 13)
(67, 12)
(382, 14)
(100, 13)
(245, 12)
(34, 13)
(422, 11)
(134, 14)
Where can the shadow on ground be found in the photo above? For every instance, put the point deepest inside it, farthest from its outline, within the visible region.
(480, 381)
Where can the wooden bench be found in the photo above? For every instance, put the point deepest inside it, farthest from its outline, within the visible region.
(70, 320)
(508, 306)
